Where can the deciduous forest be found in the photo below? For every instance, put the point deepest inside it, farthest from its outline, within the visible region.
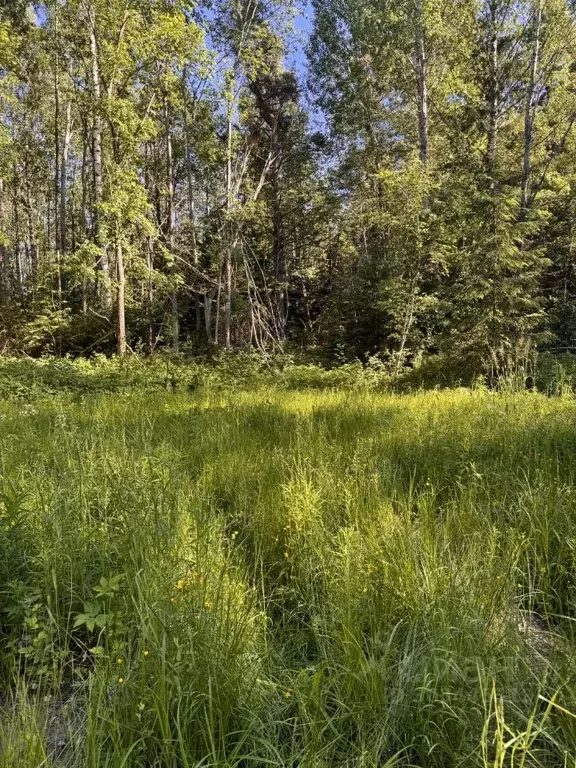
(352, 177)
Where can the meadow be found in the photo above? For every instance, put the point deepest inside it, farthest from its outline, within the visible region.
(287, 576)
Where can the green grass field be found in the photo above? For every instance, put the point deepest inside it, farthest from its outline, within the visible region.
(288, 578)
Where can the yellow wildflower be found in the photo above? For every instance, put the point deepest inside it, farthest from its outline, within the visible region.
(120, 680)
(287, 694)
(180, 584)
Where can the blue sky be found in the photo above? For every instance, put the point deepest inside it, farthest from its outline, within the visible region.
(302, 27)
(297, 56)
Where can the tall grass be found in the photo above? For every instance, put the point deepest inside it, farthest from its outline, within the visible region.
(288, 578)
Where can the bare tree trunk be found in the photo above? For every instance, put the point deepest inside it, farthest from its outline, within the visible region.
(31, 244)
(491, 162)
(421, 67)
(279, 245)
(149, 288)
(84, 214)
(56, 147)
(120, 300)
(17, 238)
(73, 215)
(84, 182)
(493, 99)
(229, 285)
(191, 206)
(229, 254)
(150, 294)
(63, 174)
(57, 222)
(97, 160)
(120, 271)
(4, 253)
(208, 303)
(170, 226)
(421, 72)
(530, 108)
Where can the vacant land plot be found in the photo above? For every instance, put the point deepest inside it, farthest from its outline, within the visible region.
(288, 578)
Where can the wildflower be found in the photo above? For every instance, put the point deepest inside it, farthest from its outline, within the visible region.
(120, 680)
(365, 590)
(145, 653)
(172, 600)
(119, 661)
(287, 694)
(208, 605)
(286, 554)
(180, 584)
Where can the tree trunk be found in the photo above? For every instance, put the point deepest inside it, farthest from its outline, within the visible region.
(491, 163)
(63, 174)
(530, 109)
(56, 148)
(84, 205)
(191, 206)
(279, 245)
(150, 294)
(229, 285)
(493, 100)
(229, 252)
(97, 160)
(57, 170)
(31, 244)
(170, 226)
(208, 302)
(419, 39)
(120, 300)
(4, 253)
(17, 238)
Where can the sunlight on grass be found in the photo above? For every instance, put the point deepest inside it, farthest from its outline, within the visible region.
(297, 578)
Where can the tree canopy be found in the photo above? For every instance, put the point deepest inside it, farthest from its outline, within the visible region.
(168, 180)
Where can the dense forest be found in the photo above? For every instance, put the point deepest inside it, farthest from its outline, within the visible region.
(353, 177)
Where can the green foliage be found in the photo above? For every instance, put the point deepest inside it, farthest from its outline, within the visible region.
(27, 379)
(286, 571)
